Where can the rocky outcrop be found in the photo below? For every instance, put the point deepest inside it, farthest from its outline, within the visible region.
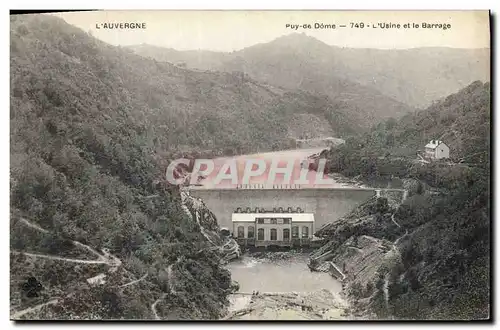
(361, 250)
(360, 258)
(196, 209)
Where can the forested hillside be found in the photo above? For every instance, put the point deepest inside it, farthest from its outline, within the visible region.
(443, 270)
(173, 108)
(415, 77)
(461, 120)
(90, 128)
(295, 62)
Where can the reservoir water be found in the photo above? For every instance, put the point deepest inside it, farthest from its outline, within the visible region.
(328, 202)
(281, 287)
(288, 275)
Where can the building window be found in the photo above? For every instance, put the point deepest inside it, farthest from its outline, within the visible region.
(305, 232)
(249, 210)
(280, 210)
(274, 221)
(251, 231)
(256, 210)
(286, 221)
(290, 210)
(299, 210)
(260, 234)
(238, 210)
(286, 234)
(274, 234)
(260, 220)
(241, 232)
(295, 232)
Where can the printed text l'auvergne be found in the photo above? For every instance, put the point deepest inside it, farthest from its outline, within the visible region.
(120, 25)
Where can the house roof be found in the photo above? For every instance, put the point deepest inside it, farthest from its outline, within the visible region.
(433, 144)
(250, 217)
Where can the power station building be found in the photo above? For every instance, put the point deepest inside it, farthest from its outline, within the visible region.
(278, 227)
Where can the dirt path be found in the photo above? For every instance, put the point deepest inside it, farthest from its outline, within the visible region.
(32, 225)
(134, 282)
(392, 218)
(394, 249)
(153, 306)
(171, 277)
(104, 258)
(386, 290)
(46, 256)
(19, 314)
(397, 241)
(171, 287)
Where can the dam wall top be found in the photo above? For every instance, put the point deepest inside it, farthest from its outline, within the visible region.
(328, 205)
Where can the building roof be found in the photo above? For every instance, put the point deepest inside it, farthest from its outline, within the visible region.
(433, 144)
(250, 217)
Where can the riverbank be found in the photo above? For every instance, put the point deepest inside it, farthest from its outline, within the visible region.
(280, 286)
(318, 305)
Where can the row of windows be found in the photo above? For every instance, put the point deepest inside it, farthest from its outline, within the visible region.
(275, 221)
(274, 233)
(275, 210)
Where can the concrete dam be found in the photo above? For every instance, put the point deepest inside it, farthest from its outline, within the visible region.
(328, 205)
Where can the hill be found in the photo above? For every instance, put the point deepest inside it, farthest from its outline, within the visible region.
(179, 109)
(293, 66)
(461, 120)
(415, 77)
(95, 232)
(192, 59)
(435, 262)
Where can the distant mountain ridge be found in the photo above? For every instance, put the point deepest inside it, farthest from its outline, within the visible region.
(416, 77)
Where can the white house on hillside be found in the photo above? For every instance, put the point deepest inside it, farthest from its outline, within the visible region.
(437, 150)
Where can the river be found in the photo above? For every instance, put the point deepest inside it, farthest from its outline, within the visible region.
(287, 275)
(286, 289)
(279, 285)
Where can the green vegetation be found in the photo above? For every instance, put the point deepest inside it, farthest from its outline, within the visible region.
(94, 126)
(390, 149)
(444, 270)
(92, 129)
(366, 78)
(297, 62)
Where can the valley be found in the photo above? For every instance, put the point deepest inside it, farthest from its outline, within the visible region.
(322, 202)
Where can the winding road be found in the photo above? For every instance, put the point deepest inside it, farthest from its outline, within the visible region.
(134, 282)
(19, 314)
(170, 280)
(104, 258)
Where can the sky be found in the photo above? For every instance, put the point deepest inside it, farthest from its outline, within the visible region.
(233, 30)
